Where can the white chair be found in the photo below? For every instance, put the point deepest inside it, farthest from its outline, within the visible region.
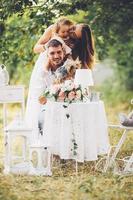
(18, 128)
(14, 94)
(10, 95)
(127, 161)
(109, 161)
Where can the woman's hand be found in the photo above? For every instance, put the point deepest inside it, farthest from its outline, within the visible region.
(39, 46)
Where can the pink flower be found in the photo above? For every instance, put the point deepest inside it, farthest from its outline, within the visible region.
(54, 88)
(61, 96)
(71, 95)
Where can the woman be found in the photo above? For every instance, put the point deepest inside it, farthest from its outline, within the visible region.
(84, 48)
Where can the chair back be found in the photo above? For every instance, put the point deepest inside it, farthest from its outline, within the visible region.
(9, 95)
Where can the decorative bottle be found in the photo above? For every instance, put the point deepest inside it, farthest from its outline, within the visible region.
(4, 75)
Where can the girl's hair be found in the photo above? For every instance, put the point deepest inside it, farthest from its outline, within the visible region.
(62, 21)
(87, 51)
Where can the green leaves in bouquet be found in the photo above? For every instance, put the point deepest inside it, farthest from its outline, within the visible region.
(80, 89)
(67, 92)
(47, 94)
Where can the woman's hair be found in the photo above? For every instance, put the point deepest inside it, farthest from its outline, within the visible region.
(86, 50)
(62, 21)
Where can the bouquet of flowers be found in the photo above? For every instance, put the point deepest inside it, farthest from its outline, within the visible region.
(65, 92)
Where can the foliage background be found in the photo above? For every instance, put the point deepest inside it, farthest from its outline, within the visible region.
(22, 22)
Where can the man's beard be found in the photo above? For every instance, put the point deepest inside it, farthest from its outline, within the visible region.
(58, 64)
(55, 66)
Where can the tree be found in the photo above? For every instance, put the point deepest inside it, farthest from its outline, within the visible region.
(112, 24)
(21, 29)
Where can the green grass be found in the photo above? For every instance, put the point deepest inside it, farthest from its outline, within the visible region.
(114, 93)
(65, 185)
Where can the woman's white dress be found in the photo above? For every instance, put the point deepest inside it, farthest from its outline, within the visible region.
(40, 79)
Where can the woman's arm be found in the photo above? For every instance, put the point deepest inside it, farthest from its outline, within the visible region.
(39, 46)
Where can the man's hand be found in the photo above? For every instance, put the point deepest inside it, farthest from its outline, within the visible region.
(42, 100)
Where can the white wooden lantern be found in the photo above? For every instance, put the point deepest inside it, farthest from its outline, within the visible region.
(43, 166)
(17, 164)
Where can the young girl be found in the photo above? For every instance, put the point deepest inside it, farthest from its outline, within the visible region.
(61, 29)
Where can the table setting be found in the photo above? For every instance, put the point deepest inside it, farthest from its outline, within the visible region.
(75, 123)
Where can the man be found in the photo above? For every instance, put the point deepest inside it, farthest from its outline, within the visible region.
(41, 78)
(55, 54)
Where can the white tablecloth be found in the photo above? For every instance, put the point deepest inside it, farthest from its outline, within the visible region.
(78, 131)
